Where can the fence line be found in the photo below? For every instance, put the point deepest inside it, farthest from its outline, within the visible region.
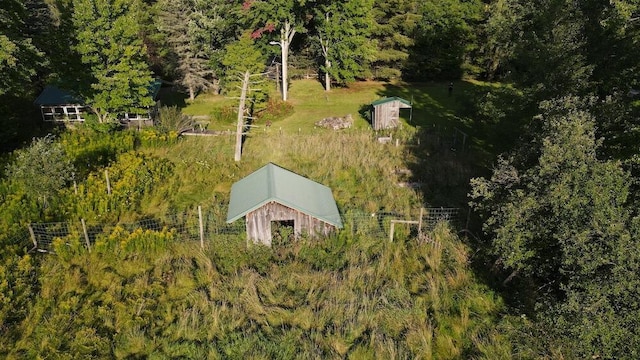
(202, 226)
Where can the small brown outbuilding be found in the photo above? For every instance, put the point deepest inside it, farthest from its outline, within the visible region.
(385, 113)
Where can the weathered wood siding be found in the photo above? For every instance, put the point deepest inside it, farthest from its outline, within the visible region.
(259, 223)
(386, 116)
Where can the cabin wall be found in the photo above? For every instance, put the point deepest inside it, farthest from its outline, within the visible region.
(259, 223)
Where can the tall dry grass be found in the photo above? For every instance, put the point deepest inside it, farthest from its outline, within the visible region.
(336, 298)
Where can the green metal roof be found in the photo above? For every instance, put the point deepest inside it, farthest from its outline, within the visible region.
(52, 95)
(273, 183)
(390, 99)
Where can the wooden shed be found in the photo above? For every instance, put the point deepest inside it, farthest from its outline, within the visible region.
(385, 113)
(273, 194)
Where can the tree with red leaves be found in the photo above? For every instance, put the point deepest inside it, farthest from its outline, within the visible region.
(286, 15)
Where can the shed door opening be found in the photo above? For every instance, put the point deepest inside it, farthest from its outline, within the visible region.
(282, 231)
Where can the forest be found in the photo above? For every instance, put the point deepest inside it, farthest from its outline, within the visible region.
(546, 263)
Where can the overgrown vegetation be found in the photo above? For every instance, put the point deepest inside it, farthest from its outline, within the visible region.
(144, 294)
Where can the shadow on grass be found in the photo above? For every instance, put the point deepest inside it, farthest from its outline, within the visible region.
(20, 122)
(457, 138)
(458, 134)
(169, 96)
(442, 157)
(365, 113)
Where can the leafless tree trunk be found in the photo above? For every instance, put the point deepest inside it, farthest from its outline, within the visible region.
(241, 111)
(286, 36)
(324, 45)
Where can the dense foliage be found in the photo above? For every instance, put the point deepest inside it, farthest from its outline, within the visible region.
(562, 223)
(120, 77)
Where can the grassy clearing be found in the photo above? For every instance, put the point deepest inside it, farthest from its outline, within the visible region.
(432, 103)
(358, 169)
(148, 295)
(363, 173)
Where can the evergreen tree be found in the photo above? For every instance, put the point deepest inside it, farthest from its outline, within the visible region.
(108, 35)
(196, 32)
(393, 35)
(343, 28)
(239, 57)
(20, 60)
(243, 62)
(51, 28)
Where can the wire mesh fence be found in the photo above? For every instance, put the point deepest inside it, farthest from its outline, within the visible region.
(209, 226)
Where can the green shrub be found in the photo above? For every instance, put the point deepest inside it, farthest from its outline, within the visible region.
(92, 123)
(139, 240)
(132, 177)
(172, 120)
(274, 110)
(227, 115)
(69, 247)
(90, 151)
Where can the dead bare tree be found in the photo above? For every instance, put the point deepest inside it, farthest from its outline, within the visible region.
(240, 129)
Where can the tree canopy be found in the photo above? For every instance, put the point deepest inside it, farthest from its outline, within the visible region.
(109, 42)
(343, 28)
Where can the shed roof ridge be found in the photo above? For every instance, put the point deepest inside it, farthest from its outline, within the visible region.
(271, 179)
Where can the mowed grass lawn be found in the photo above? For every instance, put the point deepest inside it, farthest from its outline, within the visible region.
(432, 104)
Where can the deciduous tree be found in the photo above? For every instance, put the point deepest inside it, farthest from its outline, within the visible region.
(445, 39)
(288, 17)
(108, 38)
(563, 225)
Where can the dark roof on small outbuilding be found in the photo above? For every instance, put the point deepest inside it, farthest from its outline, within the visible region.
(154, 88)
(273, 183)
(391, 99)
(52, 95)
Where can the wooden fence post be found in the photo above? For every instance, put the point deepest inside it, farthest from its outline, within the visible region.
(106, 175)
(391, 228)
(33, 237)
(201, 226)
(420, 222)
(86, 234)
